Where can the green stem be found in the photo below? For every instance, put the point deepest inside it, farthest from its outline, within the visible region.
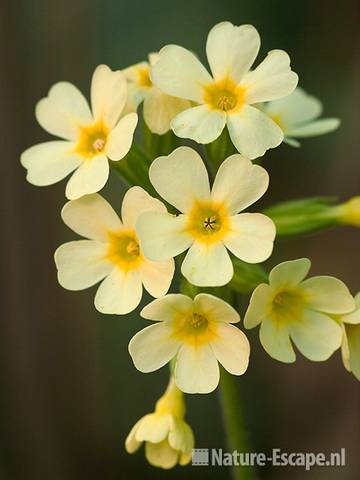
(233, 418)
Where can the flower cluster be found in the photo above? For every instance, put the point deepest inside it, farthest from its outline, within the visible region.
(192, 208)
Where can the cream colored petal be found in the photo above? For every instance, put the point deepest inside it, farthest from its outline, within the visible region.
(180, 178)
(121, 137)
(274, 337)
(81, 264)
(214, 307)
(108, 94)
(63, 110)
(231, 348)
(49, 162)
(185, 458)
(317, 336)
(252, 237)
(289, 273)
(90, 177)
(271, 80)
(353, 336)
(181, 437)
(196, 369)
(259, 306)
(199, 123)
(154, 428)
(92, 217)
(131, 444)
(161, 455)
(318, 127)
(166, 308)
(120, 293)
(253, 132)
(353, 317)
(132, 73)
(160, 109)
(328, 294)
(179, 73)
(239, 183)
(157, 276)
(296, 108)
(232, 50)
(162, 236)
(207, 265)
(153, 347)
(137, 201)
(345, 352)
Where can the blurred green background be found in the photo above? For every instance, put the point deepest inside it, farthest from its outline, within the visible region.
(69, 392)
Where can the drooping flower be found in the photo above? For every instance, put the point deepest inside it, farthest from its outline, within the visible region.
(350, 346)
(226, 97)
(298, 116)
(197, 334)
(89, 137)
(168, 438)
(209, 223)
(111, 252)
(159, 108)
(290, 307)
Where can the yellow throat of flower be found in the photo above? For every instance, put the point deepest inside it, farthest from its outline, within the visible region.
(124, 250)
(92, 139)
(194, 328)
(224, 95)
(288, 305)
(208, 221)
(144, 77)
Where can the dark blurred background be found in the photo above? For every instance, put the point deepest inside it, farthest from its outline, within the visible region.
(69, 392)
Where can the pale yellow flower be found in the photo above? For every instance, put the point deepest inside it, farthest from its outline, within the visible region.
(159, 108)
(197, 334)
(89, 137)
(227, 96)
(290, 307)
(350, 347)
(298, 116)
(210, 223)
(168, 438)
(111, 252)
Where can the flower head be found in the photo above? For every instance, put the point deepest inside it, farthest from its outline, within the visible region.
(111, 253)
(159, 108)
(298, 116)
(348, 212)
(209, 223)
(350, 346)
(226, 97)
(90, 137)
(198, 334)
(291, 307)
(168, 438)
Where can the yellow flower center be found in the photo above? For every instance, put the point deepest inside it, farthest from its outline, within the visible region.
(144, 77)
(92, 139)
(124, 250)
(224, 95)
(208, 221)
(288, 305)
(194, 328)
